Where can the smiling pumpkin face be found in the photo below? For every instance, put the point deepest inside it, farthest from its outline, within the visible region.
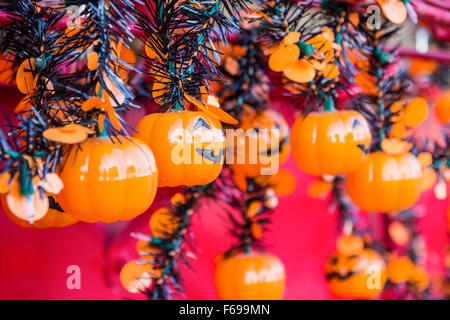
(359, 276)
(260, 144)
(189, 146)
(330, 142)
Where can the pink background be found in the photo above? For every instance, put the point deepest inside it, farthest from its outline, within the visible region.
(33, 263)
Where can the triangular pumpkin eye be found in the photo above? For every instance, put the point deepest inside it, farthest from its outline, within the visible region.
(201, 123)
(355, 123)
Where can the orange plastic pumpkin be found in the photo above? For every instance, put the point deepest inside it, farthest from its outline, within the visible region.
(53, 218)
(400, 269)
(385, 182)
(359, 276)
(262, 144)
(135, 277)
(189, 146)
(330, 142)
(106, 181)
(253, 276)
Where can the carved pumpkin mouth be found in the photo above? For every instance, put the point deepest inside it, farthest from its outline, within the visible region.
(208, 154)
(339, 276)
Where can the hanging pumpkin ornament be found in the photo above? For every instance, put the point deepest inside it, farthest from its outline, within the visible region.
(26, 76)
(250, 276)
(400, 269)
(163, 223)
(24, 197)
(53, 219)
(282, 183)
(260, 144)
(355, 272)
(419, 67)
(108, 181)
(135, 277)
(189, 146)
(385, 182)
(416, 112)
(394, 10)
(330, 142)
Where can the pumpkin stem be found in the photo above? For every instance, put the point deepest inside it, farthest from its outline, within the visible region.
(103, 133)
(26, 185)
(178, 105)
(329, 104)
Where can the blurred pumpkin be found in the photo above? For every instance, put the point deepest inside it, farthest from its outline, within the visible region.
(442, 107)
(135, 277)
(350, 244)
(422, 67)
(359, 276)
(53, 219)
(252, 276)
(6, 69)
(189, 146)
(260, 144)
(330, 142)
(419, 279)
(385, 182)
(400, 269)
(106, 181)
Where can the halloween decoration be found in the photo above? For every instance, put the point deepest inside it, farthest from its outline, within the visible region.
(189, 146)
(221, 82)
(250, 277)
(385, 182)
(63, 106)
(55, 217)
(356, 273)
(442, 107)
(108, 181)
(330, 142)
(262, 144)
(184, 43)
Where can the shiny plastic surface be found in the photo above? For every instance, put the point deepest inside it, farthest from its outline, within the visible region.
(385, 182)
(263, 150)
(189, 146)
(330, 142)
(251, 276)
(358, 276)
(53, 218)
(106, 181)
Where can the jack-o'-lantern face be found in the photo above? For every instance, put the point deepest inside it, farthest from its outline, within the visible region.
(330, 142)
(260, 144)
(360, 276)
(189, 146)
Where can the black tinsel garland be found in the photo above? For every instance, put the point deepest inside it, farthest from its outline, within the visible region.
(183, 45)
(32, 33)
